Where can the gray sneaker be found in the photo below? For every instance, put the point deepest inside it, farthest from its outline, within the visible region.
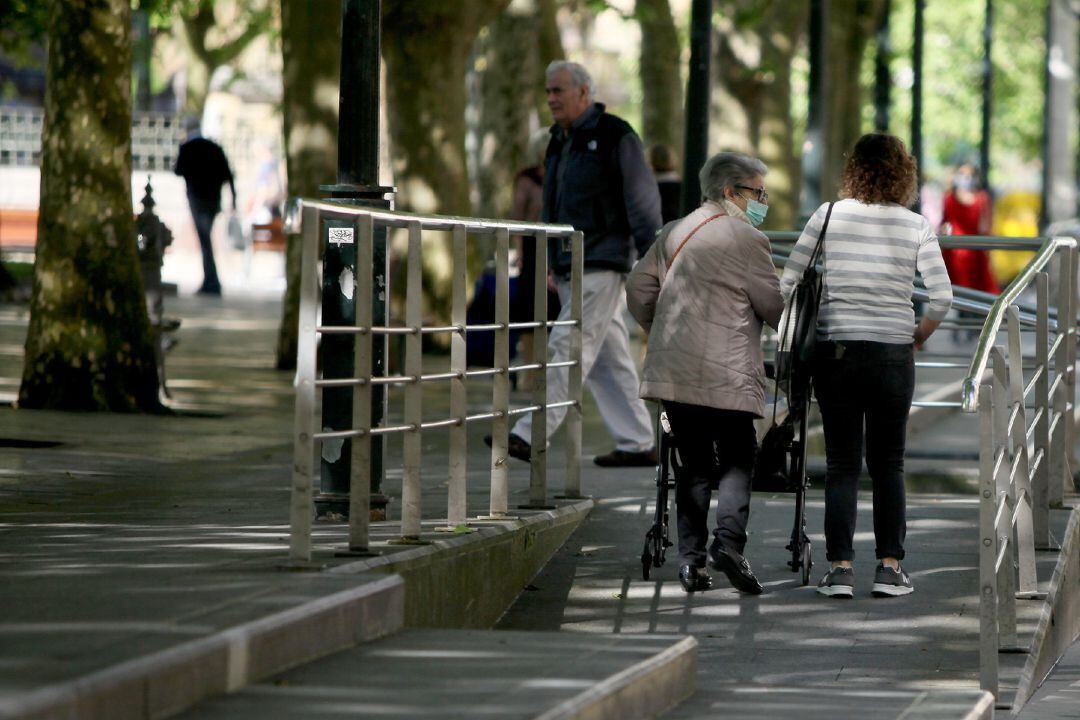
(891, 583)
(838, 582)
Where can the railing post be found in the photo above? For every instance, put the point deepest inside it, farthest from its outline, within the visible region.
(360, 463)
(538, 462)
(1070, 416)
(1059, 458)
(1040, 503)
(1004, 503)
(573, 413)
(457, 510)
(414, 391)
(988, 606)
(500, 425)
(1021, 523)
(300, 496)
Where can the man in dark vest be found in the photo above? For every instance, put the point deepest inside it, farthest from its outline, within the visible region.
(205, 169)
(596, 179)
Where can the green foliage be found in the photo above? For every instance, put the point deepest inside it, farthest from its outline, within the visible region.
(952, 82)
(22, 23)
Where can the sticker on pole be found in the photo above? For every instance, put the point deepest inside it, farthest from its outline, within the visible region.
(341, 236)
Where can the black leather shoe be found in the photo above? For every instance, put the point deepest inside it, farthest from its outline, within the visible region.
(736, 567)
(625, 458)
(694, 579)
(515, 447)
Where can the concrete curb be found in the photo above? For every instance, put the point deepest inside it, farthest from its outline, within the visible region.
(1059, 622)
(167, 682)
(642, 691)
(468, 581)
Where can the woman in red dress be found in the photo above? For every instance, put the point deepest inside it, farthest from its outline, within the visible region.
(967, 211)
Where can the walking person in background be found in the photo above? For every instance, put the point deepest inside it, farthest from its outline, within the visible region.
(968, 210)
(702, 293)
(202, 164)
(864, 365)
(664, 165)
(596, 179)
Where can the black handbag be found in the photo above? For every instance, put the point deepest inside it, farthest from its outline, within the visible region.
(798, 327)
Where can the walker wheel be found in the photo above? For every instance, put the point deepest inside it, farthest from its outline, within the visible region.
(807, 561)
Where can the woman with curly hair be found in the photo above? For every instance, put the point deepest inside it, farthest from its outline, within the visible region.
(864, 365)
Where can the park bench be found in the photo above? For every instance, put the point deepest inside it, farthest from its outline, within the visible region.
(18, 229)
(268, 236)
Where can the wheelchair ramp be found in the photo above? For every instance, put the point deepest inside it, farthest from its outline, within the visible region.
(477, 674)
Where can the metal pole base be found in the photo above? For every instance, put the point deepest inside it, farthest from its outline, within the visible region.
(573, 497)
(500, 516)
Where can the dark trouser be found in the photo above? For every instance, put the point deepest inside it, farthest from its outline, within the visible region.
(204, 222)
(864, 384)
(716, 449)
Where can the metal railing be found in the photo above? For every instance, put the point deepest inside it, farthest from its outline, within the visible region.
(1025, 458)
(365, 221)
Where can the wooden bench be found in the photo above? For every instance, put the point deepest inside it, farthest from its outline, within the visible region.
(18, 229)
(268, 236)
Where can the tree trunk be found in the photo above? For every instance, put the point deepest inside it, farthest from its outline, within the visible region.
(661, 81)
(426, 47)
(311, 55)
(507, 66)
(755, 44)
(89, 343)
(851, 27)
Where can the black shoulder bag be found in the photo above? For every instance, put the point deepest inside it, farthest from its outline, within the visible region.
(794, 361)
(798, 327)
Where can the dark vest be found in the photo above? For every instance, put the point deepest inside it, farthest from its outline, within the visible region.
(591, 196)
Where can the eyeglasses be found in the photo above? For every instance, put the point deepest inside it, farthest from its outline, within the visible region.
(759, 193)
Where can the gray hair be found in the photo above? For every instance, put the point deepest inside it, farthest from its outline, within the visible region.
(728, 169)
(578, 74)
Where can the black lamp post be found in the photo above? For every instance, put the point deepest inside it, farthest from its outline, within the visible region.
(697, 103)
(357, 183)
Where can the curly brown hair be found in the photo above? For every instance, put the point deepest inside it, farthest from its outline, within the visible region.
(880, 170)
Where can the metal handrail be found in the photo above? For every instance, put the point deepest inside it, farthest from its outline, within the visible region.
(305, 217)
(969, 392)
(401, 219)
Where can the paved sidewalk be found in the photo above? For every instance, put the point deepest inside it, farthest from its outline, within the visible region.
(122, 536)
(789, 651)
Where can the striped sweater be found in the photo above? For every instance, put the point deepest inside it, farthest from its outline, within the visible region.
(871, 253)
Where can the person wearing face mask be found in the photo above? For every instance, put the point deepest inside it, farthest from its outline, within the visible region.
(702, 292)
(967, 210)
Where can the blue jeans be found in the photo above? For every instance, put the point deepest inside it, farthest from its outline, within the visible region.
(864, 385)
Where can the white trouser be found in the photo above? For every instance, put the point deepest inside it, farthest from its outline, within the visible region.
(607, 367)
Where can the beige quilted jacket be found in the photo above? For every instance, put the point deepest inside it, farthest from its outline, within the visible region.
(704, 315)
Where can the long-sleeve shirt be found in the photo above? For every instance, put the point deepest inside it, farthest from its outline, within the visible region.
(870, 255)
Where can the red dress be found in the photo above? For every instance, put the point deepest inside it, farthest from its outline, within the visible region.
(968, 268)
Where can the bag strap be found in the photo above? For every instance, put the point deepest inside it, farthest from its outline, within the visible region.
(704, 222)
(817, 248)
(806, 273)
